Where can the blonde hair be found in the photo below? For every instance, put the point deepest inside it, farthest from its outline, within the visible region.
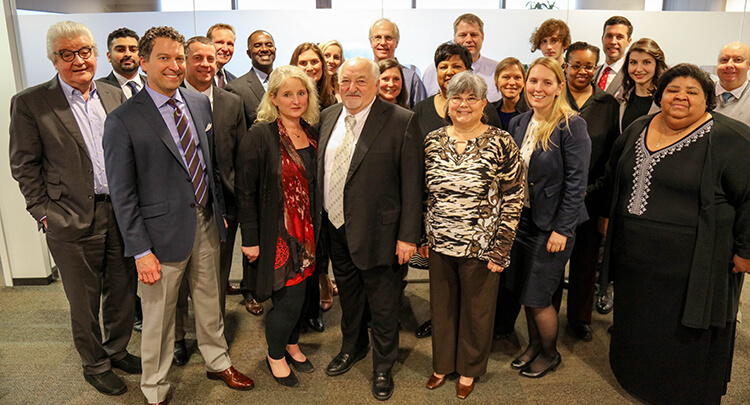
(268, 112)
(560, 111)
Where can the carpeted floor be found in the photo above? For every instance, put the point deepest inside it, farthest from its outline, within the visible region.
(39, 365)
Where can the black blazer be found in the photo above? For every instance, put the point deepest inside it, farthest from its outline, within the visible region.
(521, 107)
(384, 186)
(557, 177)
(251, 90)
(151, 191)
(112, 80)
(50, 160)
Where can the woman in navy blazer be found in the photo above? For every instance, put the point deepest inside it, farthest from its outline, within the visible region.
(556, 149)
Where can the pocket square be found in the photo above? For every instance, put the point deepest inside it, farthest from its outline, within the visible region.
(209, 126)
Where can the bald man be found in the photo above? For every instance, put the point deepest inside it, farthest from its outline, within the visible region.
(733, 96)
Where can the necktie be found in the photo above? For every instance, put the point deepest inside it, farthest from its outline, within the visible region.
(133, 88)
(197, 175)
(603, 80)
(220, 81)
(341, 162)
(726, 97)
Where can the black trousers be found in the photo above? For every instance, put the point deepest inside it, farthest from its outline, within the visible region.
(94, 268)
(380, 287)
(582, 272)
(284, 320)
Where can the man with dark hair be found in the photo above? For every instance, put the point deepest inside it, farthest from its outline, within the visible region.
(223, 37)
(122, 53)
(468, 31)
(166, 193)
(55, 155)
(601, 112)
(384, 36)
(616, 37)
(229, 126)
(261, 49)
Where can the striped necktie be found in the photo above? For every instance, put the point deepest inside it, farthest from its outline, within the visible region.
(341, 162)
(220, 82)
(190, 150)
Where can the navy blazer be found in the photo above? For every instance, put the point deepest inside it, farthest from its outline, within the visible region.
(558, 176)
(152, 195)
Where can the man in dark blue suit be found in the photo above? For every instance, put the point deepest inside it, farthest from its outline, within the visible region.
(167, 197)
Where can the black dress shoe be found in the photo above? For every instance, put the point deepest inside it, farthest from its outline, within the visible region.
(129, 364)
(382, 385)
(316, 324)
(526, 372)
(582, 331)
(424, 330)
(107, 383)
(181, 354)
(605, 302)
(301, 366)
(519, 364)
(290, 381)
(502, 335)
(344, 361)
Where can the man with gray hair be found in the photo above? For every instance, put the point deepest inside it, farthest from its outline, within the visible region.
(384, 36)
(56, 156)
(468, 31)
(369, 198)
(733, 96)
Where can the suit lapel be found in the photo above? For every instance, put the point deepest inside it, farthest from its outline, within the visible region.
(201, 124)
(151, 115)
(256, 86)
(61, 108)
(218, 117)
(370, 132)
(110, 100)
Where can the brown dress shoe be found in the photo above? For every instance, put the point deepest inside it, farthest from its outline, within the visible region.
(463, 391)
(233, 289)
(326, 292)
(435, 382)
(254, 307)
(233, 378)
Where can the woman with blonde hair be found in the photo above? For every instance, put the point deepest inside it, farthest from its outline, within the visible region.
(333, 53)
(556, 149)
(275, 183)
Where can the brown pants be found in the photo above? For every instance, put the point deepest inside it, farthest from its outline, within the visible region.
(463, 292)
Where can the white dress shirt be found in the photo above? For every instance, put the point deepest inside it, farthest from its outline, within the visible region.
(614, 70)
(124, 80)
(209, 92)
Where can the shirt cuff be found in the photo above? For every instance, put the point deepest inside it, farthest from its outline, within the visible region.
(146, 253)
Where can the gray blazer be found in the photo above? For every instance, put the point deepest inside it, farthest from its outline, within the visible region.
(49, 158)
(229, 129)
(251, 90)
(616, 85)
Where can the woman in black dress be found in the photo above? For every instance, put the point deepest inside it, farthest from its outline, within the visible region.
(644, 63)
(275, 189)
(679, 233)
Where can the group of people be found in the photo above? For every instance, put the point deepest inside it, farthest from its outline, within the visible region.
(497, 174)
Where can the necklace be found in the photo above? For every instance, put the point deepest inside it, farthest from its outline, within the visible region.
(663, 130)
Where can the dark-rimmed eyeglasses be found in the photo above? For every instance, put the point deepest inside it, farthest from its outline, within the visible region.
(68, 56)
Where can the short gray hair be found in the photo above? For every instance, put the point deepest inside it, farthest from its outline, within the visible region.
(68, 30)
(374, 69)
(467, 81)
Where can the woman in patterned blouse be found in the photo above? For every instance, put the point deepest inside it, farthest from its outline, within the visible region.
(474, 181)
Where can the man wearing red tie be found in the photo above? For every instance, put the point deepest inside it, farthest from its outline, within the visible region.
(617, 35)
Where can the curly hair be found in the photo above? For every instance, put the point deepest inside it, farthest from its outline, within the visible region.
(146, 44)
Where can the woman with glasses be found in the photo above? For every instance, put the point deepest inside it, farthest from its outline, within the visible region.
(556, 150)
(474, 182)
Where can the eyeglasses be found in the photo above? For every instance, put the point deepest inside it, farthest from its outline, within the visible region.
(382, 38)
(588, 68)
(456, 100)
(68, 56)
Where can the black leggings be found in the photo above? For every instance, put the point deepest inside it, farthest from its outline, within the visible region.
(283, 321)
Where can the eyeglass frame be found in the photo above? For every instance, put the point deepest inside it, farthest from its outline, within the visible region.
(74, 53)
(458, 100)
(586, 68)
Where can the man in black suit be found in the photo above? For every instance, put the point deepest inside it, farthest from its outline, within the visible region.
(122, 53)
(166, 193)
(55, 155)
(223, 37)
(229, 127)
(370, 181)
(250, 87)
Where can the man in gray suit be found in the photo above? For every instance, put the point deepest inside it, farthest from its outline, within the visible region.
(229, 126)
(166, 193)
(617, 36)
(732, 94)
(122, 53)
(250, 87)
(55, 155)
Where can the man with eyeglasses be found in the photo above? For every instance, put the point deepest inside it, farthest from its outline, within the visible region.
(384, 37)
(57, 158)
(601, 112)
(122, 53)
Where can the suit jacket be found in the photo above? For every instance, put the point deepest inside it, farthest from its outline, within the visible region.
(251, 90)
(557, 176)
(112, 80)
(229, 76)
(384, 185)
(616, 85)
(152, 194)
(49, 158)
(229, 129)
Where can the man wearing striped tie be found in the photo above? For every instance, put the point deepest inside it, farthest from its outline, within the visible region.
(167, 196)
(733, 96)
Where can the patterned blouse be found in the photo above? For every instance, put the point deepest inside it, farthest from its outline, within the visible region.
(474, 198)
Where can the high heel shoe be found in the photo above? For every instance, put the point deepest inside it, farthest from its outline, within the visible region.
(539, 374)
(301, 366)
(288, 381)
(518, 364)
